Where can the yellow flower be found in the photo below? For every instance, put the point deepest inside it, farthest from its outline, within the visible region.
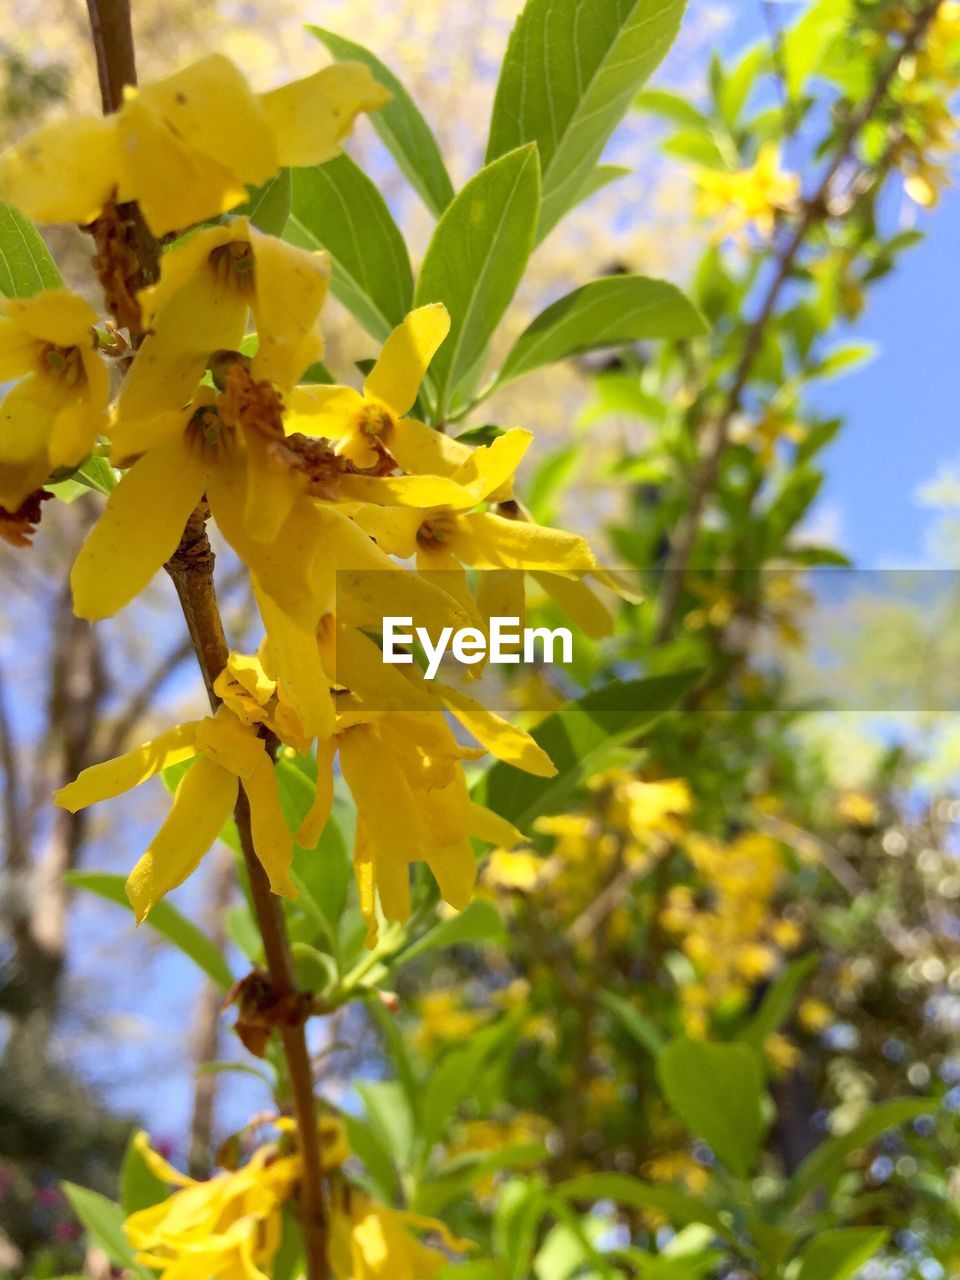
(186, 147)
(52, 416)
(522, 872)
(372, 424)
(815, 1016)
(369, 1241)
(230, 1226)
(209, 285)
(441, 1019)
(227, 754)
(747, 197)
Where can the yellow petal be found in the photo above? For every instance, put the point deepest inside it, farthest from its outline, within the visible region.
(384, 799)
(271, 496)
(160, 1167)
(312, 116)
(192, 312)
(139, 530)
(396, 377)
(295, 660)
(210, 107)
(490, 468)
(311, 829)
(25, 428)
(394, 529)
(63, 172)
(113, 777)
(174, 184)
(421, 450)
(407, 491)
(502, 739)
(230, 743)
(19, 351)
(360, 667)
(55, 315)
(290, 286)
(484, 824)
(74, 431)
(327, 411)
(489, 541)
(500, 594)
(271, 838)
(579, 604)
(203, 802)
(439, 566)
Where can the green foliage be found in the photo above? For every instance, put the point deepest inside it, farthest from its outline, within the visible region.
(718, 1090)
(566, 83)
(165, 919)
(26, 266)
(335, 206)
(402, 127)
(476, 259)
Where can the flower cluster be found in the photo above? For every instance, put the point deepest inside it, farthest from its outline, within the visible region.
(231, 1226)
(747, 198)
(320, 490)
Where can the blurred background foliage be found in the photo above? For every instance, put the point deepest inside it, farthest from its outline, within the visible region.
(707, 1023)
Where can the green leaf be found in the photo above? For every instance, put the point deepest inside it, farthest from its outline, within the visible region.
(405, 133)
(675, 1205)
(480, 921)
(839, 1254)
(25, 263)
(604, 313)
(455, 1079)
(823, 1168)
(640, 1028)
(672, 107)
(166, 919)
(367, 1145)
(268, 207)
(103, 1221)
(139, 1185)
(566, 81)
(717, 1090)
(579, 738)
(476, 259)
(336, 207)
(778, 1001)
(602, 176)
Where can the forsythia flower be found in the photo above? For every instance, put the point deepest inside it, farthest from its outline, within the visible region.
(52, 416)
(369, 1241)
(230, 1226)
(747, 197)
(185, 148)
(227, 754)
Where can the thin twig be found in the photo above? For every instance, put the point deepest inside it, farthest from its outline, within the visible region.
(191, 569)
(815, 209)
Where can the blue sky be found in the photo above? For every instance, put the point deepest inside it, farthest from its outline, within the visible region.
(901, 410)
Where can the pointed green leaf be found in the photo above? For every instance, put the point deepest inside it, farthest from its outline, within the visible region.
(825, 1166)
(476, 259)
(579, 739)
(139, 1185)
(479, 921)
(778, 1001)
(568, 77)
(673, 1204)
(839, 1254)
(336, 207)
(269, 206)
(103, 1221)
(25, 263)
(166, 919)
(604, 313)
(717, 1091)
(400, 124)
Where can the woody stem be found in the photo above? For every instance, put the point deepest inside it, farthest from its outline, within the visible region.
(191, 569)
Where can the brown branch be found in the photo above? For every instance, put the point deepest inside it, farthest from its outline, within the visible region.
(815, 209)
(191, 569)
(112, 34)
